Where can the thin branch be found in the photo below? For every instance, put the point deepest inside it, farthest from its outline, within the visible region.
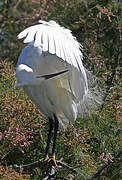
(66, 166)
(38, 163)
(105, 165)
(27, 166)
(17, 4)
(52, 171)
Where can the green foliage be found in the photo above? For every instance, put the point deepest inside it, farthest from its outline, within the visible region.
(23, 130)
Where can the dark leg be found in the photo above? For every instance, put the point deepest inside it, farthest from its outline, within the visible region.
(49, 138)
(41, 163)
(56, 123)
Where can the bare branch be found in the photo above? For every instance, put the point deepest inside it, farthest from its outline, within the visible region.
(106, 165)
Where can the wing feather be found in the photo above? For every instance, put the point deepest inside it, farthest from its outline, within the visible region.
(45, 39)
(29, 37)
(56, 40)
(38, 38)
(69, 54)
(62, 47)
(28, 33)
(58, 45)
(51, 35)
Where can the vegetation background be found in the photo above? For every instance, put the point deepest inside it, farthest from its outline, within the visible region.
(97, 25)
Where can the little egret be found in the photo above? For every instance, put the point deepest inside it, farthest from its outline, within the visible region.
(51, 72)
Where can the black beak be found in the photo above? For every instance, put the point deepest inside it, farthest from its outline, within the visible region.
(49, 76)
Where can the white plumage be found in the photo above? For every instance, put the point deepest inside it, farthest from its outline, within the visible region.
(51, 49)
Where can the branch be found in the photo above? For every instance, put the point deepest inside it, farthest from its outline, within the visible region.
(49, 171)
(17, 4)
(52, 171)
(28, 166)
(60, 163)
(106, 165)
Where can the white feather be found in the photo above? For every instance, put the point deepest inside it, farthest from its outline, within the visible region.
(54, 39)
(45, 40)
(51, 42)
(51, 49)
(38, 38)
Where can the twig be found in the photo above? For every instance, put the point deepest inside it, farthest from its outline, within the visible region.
(38, 163)
(18, 2)
(50, 173)
(66, 166)
(105, 165)
(27, 166)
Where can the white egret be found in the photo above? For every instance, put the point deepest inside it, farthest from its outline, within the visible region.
(51, 72)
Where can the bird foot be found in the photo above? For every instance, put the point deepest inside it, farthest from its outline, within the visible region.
(54, 162)
(47, 164)
(51, 160)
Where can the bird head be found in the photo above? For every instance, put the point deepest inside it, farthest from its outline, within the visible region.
(26, 76)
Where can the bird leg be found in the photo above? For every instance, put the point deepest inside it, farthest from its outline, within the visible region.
(47, 159)
(48, 140)
(56, 124)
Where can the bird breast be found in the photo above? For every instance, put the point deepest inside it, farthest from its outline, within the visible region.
(53, 95)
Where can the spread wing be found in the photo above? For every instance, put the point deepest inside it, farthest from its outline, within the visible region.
(56, 40)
